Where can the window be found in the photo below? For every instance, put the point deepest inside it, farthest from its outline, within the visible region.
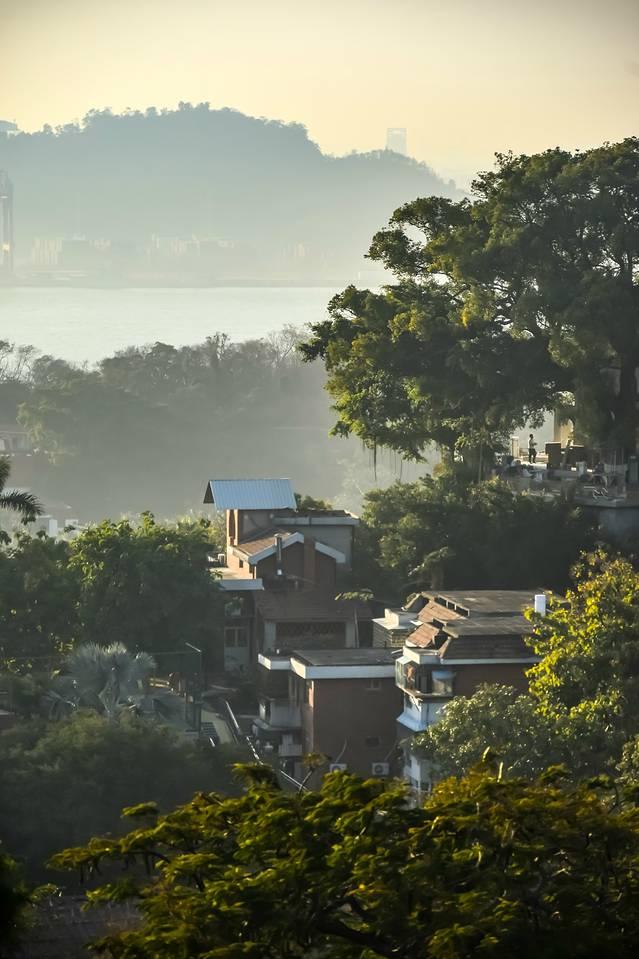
(235, 637)
(372, 740)
(443, 682)
(241, 564)
(374, 684)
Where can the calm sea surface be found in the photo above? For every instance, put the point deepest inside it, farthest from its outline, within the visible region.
(87, 324)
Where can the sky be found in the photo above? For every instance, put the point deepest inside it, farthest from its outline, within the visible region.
(467, 78)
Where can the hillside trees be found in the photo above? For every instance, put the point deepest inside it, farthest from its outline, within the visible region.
(488, 866)
(505, 306)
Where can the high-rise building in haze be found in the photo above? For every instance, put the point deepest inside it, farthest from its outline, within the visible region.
(396, 140)
(6, 225)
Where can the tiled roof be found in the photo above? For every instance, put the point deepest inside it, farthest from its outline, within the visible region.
(307, 605)
(433, 610)
(485, 647)
(263, 540)
(250, 494)
(424, 635)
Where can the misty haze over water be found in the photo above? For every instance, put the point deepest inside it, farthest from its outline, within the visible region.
(85, 325)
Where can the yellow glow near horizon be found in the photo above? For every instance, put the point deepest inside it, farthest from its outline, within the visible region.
(465, 77)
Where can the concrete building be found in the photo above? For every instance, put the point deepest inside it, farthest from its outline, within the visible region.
(465, 638)
(341, 703)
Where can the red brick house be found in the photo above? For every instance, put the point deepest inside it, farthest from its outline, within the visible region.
(282, 569)
(341, 703)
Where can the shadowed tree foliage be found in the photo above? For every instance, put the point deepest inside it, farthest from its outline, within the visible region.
(63, 782)
(508, 305)
(13, 899)
(488, 866)
(441, 532)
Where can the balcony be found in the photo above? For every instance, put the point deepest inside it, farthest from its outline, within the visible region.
(280, 714)
(420, 674)
(419, 714)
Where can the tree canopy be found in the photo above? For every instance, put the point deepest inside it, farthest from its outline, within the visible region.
(488, 866)
(520, 300)
(438, 531)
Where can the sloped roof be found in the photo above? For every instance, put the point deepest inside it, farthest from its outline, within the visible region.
(250, 494)
(263, 540)
(433, 610)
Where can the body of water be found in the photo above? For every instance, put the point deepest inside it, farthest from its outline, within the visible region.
(81, 324)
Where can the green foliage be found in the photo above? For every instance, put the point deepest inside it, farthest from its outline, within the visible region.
(62, 782)
(518, 301)
(441, 532)
(25, 504)
(13, 899)
(148, 585)
(498, 718)
(39, 595)
(489, 866)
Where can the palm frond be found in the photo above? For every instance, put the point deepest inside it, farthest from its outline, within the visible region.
(26, 504)
(5, 470)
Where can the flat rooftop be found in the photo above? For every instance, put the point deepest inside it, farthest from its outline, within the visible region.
(489, 626)
(345, 657)
(488, 602)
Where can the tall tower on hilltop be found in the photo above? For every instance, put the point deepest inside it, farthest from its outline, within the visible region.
(396, 140)
(6, 226)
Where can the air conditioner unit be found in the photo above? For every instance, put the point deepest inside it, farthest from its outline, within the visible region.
(380, 769)
(338, 767)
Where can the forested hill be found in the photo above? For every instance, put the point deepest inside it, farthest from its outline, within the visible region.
(262, 187)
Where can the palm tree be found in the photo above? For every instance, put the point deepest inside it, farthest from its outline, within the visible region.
(108, 679)
(25, 504)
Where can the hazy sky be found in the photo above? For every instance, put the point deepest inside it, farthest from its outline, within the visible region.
(466, 77)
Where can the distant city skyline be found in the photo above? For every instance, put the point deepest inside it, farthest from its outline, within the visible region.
(466, 79)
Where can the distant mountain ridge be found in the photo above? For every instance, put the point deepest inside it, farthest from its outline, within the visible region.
(258, 195)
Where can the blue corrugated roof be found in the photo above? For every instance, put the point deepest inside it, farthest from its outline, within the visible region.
(250, 494)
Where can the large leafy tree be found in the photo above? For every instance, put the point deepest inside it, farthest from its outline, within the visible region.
(439, 532)
(148, 585)
(488, 866)
(39, 593)
(521, 300)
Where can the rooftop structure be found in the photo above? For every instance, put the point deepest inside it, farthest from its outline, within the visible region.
(250, 494)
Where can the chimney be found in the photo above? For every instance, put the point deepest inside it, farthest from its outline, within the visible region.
(278, 554)
(540, 604)
(309, 561)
